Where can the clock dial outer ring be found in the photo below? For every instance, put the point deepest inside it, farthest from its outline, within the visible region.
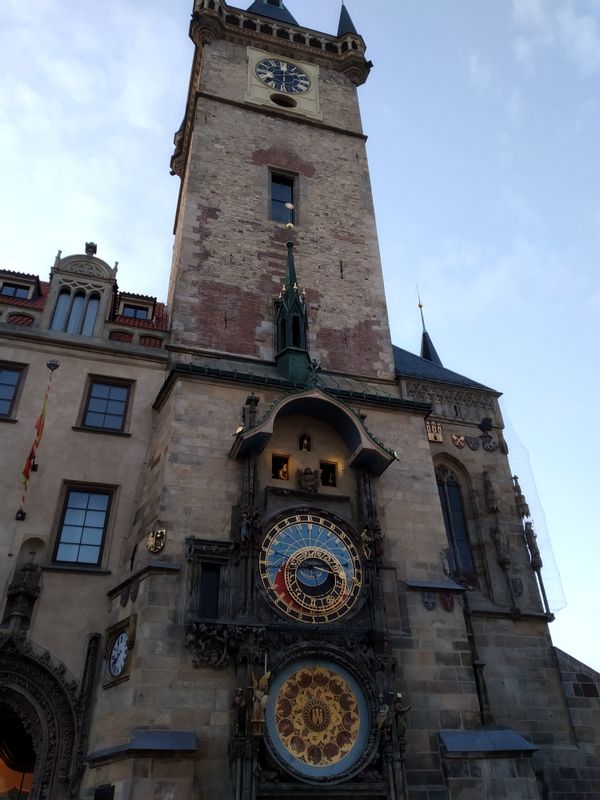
(119, 669)
(273, 583)
(352, 760)
(298, 73)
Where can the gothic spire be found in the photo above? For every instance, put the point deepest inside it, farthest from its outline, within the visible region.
(291, 352)
(428, 351)
(346, 25)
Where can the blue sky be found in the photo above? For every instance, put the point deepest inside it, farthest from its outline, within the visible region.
(483, 122)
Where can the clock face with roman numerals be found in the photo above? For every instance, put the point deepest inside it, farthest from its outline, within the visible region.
(310, 569)
(282, 76)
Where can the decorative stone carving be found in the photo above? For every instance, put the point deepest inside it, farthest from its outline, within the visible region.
(212, 645)
(88, 265)
(21, 596)
(444, 400)
(534, 550)
(33, 686)
(308, 480)
(521, 503)
(502, 547)
(491, 499)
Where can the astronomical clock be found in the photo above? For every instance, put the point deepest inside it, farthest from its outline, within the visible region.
(319, 710)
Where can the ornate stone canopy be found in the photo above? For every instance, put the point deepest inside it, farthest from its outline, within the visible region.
(365, 450)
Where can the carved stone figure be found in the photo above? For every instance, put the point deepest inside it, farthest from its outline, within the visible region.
(521, 502)
(502, 547)
(259, 704)
(400, 712)
(367, 539)
(534, 550)
(491, 500)
(308, 480)
(239, 711)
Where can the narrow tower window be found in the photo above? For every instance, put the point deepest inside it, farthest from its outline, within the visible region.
(282, 192)
(460, 556)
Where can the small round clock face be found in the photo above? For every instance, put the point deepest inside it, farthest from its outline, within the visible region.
(310, 569)
(118, 655)
(282, 76)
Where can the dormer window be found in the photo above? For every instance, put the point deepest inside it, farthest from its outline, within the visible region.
(17, 290)
(135, 312)
(134, 306)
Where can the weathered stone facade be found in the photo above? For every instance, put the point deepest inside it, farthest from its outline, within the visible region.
(145, 612)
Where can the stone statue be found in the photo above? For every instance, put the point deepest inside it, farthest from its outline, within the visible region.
(259, 703)
(534, 550)
(366, 539)
(308, 480)
(502, 547)
(239, 711)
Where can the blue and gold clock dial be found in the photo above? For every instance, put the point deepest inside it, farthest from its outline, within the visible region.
(282, 76)
(317, 720)
(310, 569)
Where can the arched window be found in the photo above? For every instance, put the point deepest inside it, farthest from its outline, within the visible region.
(91, 312)
(75, 313)
(460, 556)
(296, 332)
(282, 336)
(59, 318)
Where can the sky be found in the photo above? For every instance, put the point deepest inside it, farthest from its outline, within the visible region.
(483, 121)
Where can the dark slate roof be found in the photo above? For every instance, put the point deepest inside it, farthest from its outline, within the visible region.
(272, 12)
(409, 365)
(346, 25)
(428, 350)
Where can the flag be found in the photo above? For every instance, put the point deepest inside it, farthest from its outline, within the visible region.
(39, 425)
(28, 465)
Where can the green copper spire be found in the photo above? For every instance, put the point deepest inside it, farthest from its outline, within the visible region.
(292, 326)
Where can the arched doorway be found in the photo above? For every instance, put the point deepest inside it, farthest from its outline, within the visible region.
(38, 724)
(17, 757)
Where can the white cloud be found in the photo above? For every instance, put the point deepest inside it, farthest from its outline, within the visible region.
(530, 12)
(480, 74)
(580, 38)
(562, 23)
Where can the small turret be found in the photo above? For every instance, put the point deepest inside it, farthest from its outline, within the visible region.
(345, 25)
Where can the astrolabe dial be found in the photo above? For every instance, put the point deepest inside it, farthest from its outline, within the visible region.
(310, 568)
(317, 719)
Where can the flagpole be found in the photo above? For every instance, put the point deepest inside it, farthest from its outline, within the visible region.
(30, 465)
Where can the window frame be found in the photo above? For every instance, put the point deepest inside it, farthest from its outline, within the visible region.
(446, 475)
(15, 286)
(135, 307)
(83, 324)
(85, 566)
(293, 181)
(106, 381)
(20, 369)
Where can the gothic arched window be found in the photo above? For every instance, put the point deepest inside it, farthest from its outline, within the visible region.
(460, 556)
(75, 313)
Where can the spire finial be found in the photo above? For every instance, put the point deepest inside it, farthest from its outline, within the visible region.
(420, 307)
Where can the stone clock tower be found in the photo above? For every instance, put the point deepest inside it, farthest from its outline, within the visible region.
(306, 594)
